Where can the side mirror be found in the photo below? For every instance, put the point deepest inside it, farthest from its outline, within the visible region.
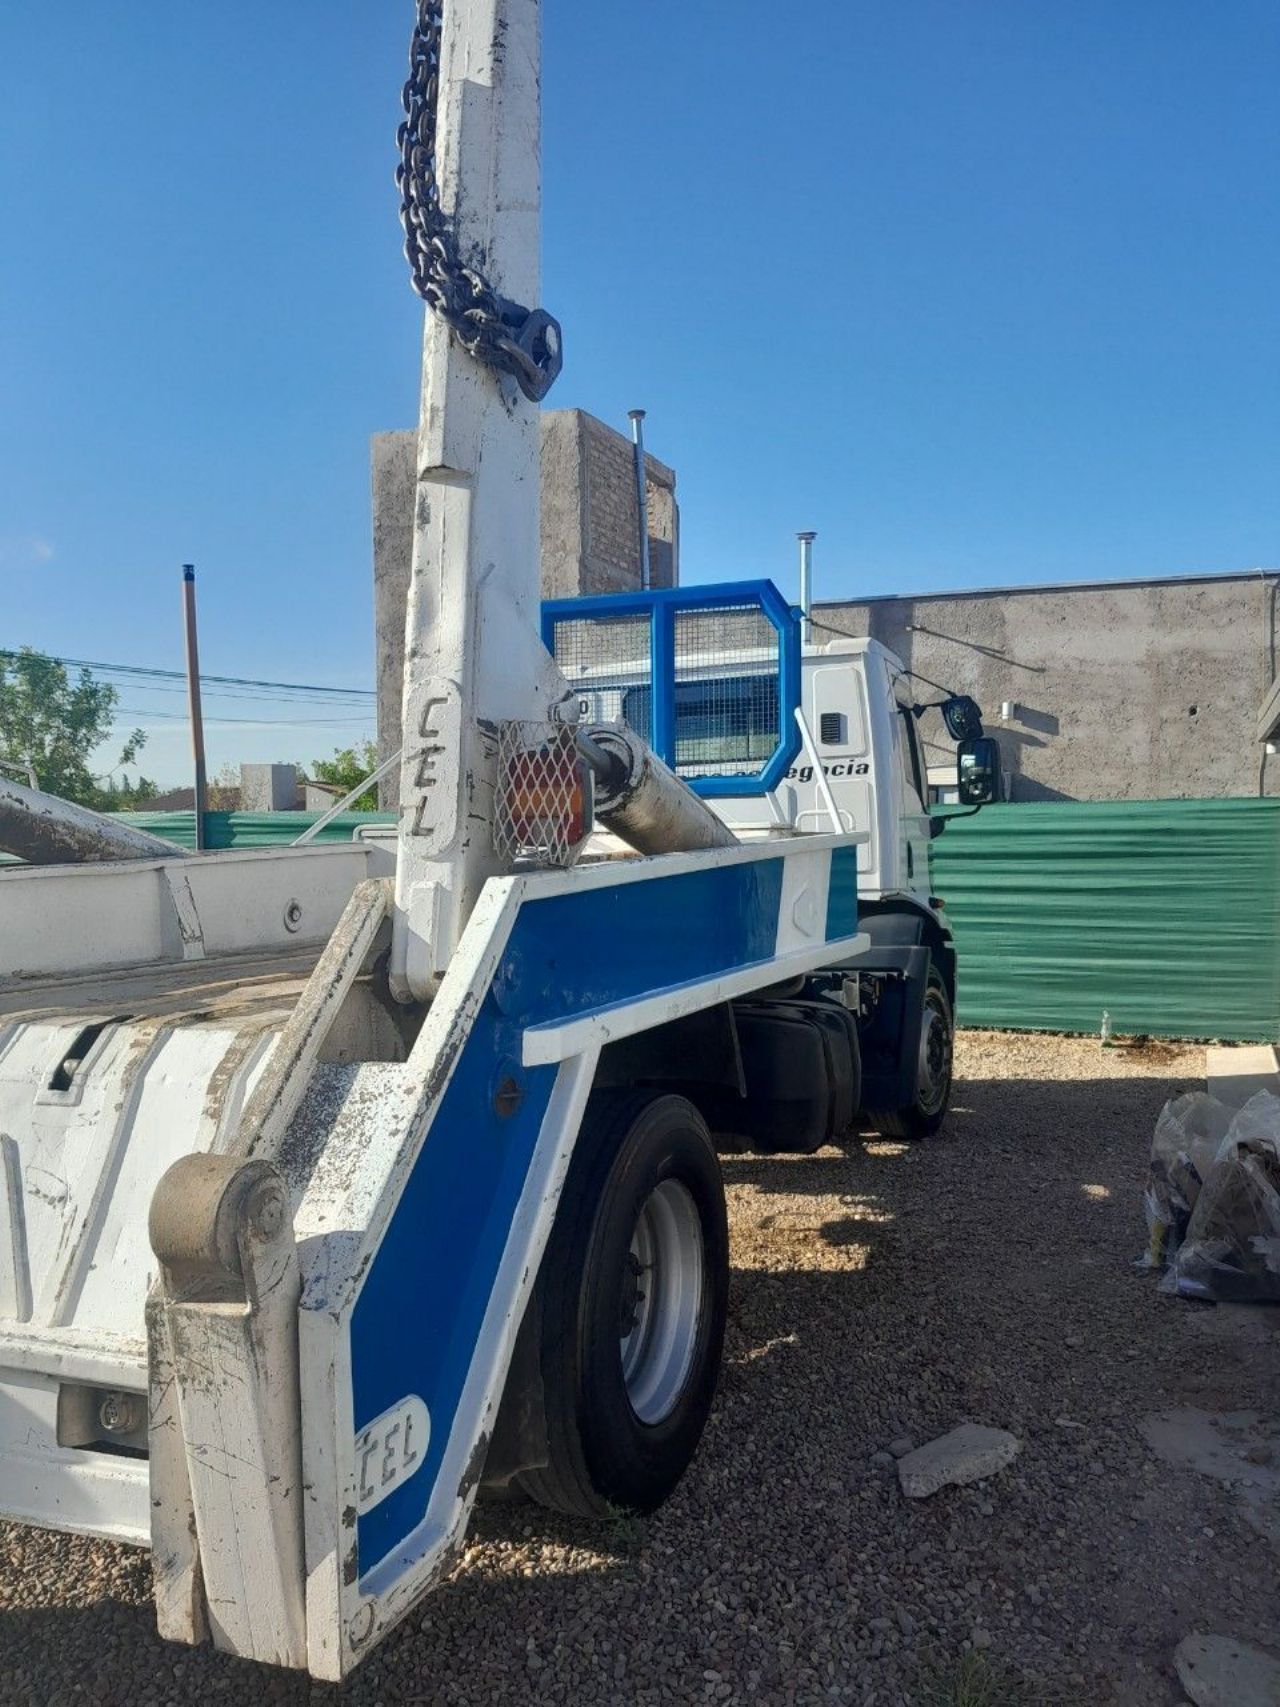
(978, 771)
(962, 716)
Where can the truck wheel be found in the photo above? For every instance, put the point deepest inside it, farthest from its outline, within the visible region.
(635, 1286)
(922, 1117)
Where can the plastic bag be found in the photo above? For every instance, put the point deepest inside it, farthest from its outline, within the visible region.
(1189, 1134)
(1231, 1248)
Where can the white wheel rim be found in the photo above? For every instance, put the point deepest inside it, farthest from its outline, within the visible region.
(662, 1301)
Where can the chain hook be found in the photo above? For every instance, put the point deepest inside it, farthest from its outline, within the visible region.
(534, 354)
(523, 342)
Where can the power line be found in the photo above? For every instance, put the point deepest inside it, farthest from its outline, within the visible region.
(265, 722)
(148, 672)
(251, 696)
(346, 697)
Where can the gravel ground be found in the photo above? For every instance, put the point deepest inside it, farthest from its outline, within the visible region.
(879, 1291)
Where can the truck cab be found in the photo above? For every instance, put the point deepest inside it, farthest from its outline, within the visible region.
(859, 767)
(862, 767)
(857, 705)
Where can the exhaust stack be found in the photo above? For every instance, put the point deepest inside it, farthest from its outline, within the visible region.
(806, 582)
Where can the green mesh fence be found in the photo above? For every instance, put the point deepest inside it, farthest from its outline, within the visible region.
(249, 829)
(1164, 912)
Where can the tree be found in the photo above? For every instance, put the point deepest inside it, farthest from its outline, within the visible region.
(347, 767)
(126, 796)
(223, 789)
(51, 725)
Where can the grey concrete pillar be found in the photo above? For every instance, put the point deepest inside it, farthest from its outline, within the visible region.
(393, 456)
(268, 788)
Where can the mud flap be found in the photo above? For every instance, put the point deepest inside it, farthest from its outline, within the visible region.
(891, 1039)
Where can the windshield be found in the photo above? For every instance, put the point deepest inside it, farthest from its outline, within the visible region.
(729, 721)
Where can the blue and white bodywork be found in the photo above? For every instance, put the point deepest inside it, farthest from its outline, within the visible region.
(316, 1429)
(454, 1217)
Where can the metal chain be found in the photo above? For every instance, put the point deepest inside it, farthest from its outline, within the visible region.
(523, 342)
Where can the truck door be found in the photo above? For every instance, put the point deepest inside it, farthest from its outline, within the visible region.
(835, 703)
(913, 821)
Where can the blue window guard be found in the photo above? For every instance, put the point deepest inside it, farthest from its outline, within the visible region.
(709, 676)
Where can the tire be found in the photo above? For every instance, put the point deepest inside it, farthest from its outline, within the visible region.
(641, 1236)
(922, 1117)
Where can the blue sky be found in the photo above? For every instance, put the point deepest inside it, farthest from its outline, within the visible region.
(983, 290)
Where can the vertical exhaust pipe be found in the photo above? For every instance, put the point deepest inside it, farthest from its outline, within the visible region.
(636, 416)
(806, 582)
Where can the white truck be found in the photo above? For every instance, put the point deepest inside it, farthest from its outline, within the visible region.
(863, 766)
(859, 766)
(335, 1181)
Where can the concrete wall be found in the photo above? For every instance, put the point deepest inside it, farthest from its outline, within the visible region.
(1136, 690)
(590, 541)
(268, 788)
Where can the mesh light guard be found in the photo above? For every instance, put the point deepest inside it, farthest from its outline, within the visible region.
(708, 676)
(542, 807)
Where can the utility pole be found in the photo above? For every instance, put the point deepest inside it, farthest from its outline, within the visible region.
(193, 698)
(636, 416)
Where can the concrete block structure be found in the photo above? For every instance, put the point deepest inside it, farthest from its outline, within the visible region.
(1123, 690)
(319, 796)
(268, 788)
(590, 536)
